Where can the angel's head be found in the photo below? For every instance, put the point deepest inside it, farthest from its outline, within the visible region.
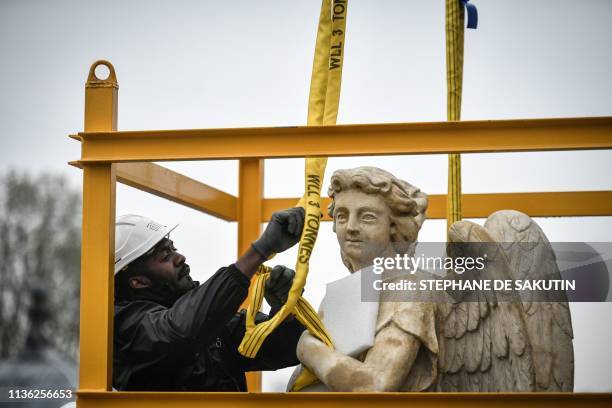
(375, 214)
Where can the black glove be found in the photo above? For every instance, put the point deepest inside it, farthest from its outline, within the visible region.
(277, 287)
(283, 232)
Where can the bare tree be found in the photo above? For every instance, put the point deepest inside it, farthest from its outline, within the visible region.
(40, 242)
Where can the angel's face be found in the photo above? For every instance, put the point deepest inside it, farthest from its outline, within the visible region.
(363, 227)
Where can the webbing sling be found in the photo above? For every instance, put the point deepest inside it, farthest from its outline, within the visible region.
(322, 110)
(455, 18)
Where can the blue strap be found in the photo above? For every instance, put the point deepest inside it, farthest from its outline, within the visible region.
(472, 14)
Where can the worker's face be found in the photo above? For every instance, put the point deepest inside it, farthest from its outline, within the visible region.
(167, 267)
(363, 227)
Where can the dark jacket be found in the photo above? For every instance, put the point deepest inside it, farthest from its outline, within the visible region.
(192, 344)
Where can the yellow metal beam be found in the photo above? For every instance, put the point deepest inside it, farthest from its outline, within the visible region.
(349, 140)
(178, 188)
(542, 204)
(250, 196)
(98, 241)
(341, 400)
(173, 186)
(538, 204)
(97, 291)
(209, 200)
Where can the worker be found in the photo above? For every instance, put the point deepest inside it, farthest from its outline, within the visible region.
(173, 334)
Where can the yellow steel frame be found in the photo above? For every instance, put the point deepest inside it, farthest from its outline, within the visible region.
(348, 140)
(109, 156)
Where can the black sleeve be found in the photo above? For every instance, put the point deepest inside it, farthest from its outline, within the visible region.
(196, 317)
(277, 351)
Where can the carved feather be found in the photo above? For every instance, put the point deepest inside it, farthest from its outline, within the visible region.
(461, 319)
(485, 361)
(473, 315)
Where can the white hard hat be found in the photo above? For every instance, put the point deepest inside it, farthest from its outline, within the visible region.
(134, 236)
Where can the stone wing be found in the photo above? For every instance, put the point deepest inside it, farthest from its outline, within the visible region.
(549, 324)
(484, 339)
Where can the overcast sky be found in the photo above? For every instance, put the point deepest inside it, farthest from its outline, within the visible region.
(204, 64)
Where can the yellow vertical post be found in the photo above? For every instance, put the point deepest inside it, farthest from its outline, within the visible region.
(250, 199)
(97, 253)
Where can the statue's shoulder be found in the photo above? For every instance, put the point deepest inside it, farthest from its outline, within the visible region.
(415, 318)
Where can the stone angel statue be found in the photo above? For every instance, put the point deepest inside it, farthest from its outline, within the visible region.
(459, 345)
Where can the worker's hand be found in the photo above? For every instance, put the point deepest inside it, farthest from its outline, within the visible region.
(277, 287)
(283, 232)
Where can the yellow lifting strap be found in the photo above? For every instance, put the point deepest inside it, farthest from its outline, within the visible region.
(322, 110)
(455, 18)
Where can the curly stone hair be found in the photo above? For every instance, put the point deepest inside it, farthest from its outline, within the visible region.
(406, 202)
